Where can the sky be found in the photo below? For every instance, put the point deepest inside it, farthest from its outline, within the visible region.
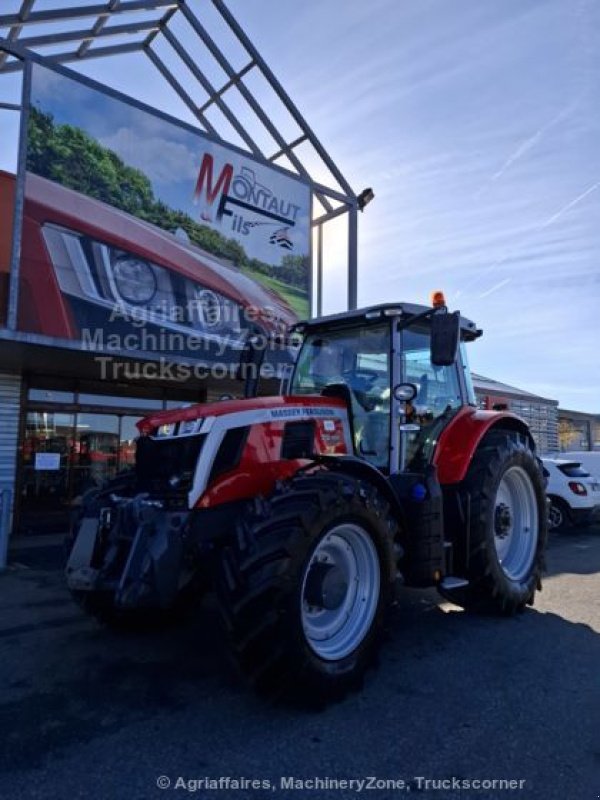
(476, 124)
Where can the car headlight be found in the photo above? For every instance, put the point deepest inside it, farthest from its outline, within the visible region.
(109, 277)
(135, 280)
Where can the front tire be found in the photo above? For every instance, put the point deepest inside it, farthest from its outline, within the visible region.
(305, 584)
(508, 530)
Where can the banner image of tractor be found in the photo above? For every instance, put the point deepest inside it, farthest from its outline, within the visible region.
(133, 220)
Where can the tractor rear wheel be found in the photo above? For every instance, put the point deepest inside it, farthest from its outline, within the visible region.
(304, 586)
(508, 530)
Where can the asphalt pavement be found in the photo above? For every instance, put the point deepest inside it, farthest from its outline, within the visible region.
(88, 713)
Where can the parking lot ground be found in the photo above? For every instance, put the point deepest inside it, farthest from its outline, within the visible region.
(85, 712)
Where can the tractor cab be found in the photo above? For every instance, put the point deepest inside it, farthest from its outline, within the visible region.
(402, 371)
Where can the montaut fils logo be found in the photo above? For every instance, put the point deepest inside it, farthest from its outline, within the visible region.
(232, 195)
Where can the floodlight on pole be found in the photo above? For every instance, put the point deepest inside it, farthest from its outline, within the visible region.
(364, 198)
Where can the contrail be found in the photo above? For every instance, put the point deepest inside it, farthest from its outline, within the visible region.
(531, 141)
(495, 288)
(570, 205)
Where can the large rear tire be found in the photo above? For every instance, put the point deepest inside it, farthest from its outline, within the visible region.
(304, 587)
(508, 530)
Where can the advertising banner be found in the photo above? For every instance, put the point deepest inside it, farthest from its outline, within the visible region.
(143, 234)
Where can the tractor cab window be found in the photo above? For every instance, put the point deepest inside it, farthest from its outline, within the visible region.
(360, 360)
(438, 397)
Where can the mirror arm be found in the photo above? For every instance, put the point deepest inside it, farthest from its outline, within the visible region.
(418, 317)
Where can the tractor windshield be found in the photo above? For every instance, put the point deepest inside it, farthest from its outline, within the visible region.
(358, 358)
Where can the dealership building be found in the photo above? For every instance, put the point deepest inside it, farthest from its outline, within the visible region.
(105, 314)
(125, 288)
(578, 430)
(540, 413)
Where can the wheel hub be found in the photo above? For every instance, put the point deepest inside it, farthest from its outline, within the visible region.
(502, 521)
(516, 521)
(325, 586)
(340, 591)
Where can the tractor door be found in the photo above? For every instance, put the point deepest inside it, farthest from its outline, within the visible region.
(440, 394)
(357, 361)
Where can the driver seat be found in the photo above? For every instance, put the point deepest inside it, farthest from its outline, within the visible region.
(357, 417)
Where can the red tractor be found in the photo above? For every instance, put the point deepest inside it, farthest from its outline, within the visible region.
(306, 511)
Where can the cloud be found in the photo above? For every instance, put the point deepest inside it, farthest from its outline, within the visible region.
(161, 160)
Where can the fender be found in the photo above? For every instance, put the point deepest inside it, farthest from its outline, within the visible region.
(360, 468)
(459, 440)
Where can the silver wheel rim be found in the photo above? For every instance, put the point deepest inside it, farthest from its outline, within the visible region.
(343, 572)
(516, 523)
(555, 517)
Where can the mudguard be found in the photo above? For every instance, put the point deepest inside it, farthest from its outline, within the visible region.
(459, 440)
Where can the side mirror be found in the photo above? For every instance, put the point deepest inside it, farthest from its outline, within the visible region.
(405, 392)
(445, 336)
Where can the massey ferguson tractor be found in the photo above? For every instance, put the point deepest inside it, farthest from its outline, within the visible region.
(305, 512)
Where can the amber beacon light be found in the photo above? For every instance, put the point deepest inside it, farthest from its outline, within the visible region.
(437, 299)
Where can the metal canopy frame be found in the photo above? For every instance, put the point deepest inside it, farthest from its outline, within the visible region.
(104, 21)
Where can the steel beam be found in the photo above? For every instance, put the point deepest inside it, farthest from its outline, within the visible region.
(19, 203)
(14, 32)
(337, 212)
(97, 27)
(77, 12)
(231, 82)
(165, 19)
(245, 92)
(352, 258)
(88, 35)
(209, 89)
(282, 94)
(10, 107)
(178, 88)
(65, 58)
(319, 270)
(290, 146)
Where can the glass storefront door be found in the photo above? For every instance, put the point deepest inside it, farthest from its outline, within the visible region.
(63, 456)
(46, 460)
(74, 439)
(95, 456)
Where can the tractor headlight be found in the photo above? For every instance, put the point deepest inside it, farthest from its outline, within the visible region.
(215, 312)
(135, 280)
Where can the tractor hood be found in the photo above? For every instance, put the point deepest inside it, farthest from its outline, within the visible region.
(278, 408)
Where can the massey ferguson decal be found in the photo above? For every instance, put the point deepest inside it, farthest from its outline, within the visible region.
(246, 203)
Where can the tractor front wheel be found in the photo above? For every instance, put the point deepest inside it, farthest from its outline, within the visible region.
(304, 586)
(508, 530)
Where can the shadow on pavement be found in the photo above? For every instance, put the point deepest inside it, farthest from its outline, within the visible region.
(452, 690)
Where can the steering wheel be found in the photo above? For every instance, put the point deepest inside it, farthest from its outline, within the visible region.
(360, 381)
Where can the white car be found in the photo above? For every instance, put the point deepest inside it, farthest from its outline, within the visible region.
(574, 494)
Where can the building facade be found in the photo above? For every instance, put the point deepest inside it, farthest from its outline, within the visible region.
(578, 430)
(540, 413)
